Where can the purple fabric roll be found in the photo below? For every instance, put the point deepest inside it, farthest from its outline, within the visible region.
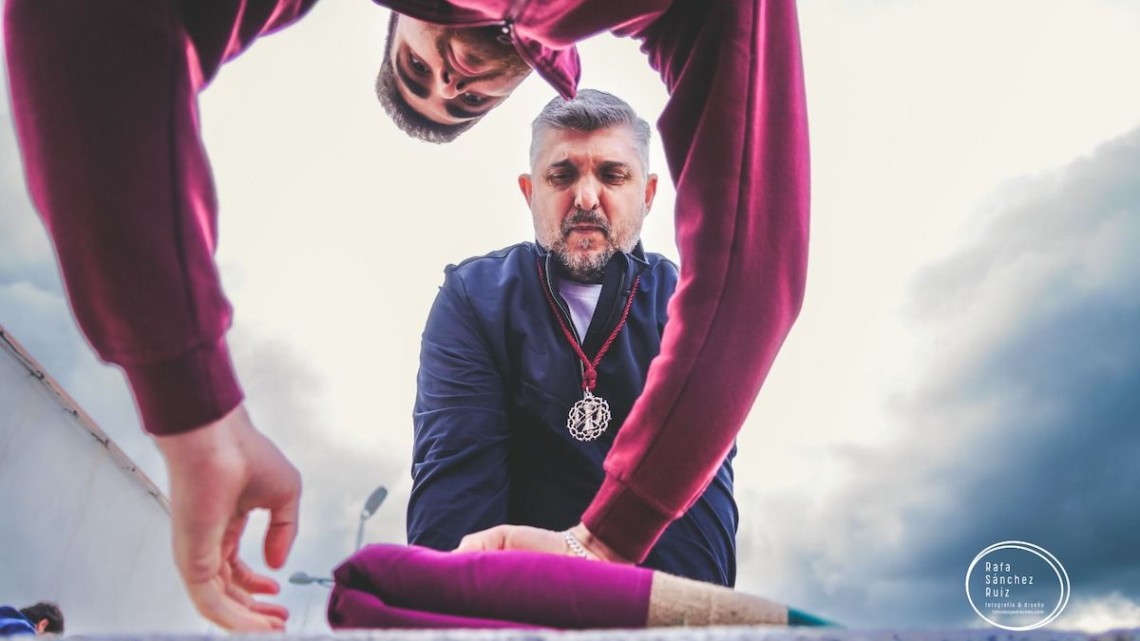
(349, 608)
(396, 586)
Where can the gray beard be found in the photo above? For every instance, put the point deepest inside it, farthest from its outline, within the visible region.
(583, 269)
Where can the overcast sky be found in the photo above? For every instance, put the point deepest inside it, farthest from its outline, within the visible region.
(964, 370)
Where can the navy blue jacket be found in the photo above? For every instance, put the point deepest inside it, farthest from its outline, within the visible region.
(497, 378)
(12, 622)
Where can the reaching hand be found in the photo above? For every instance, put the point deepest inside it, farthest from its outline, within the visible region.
(218, 473)
(522, 537)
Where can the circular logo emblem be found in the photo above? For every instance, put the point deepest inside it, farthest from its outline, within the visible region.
(1017, 586)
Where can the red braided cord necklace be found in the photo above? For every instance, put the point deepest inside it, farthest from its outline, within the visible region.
(590, 416)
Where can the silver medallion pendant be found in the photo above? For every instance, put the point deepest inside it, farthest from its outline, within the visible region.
(589, 417)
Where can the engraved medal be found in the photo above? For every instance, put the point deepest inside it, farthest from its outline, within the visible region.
(589, 417)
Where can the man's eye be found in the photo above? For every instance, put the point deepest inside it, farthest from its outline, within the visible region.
(616, 178)
(559, 177)
(418, 65)
(472, 99)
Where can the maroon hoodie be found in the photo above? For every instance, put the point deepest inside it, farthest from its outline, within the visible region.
(104, 100)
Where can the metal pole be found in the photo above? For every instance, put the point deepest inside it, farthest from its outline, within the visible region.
(370, 506)
(303, 578)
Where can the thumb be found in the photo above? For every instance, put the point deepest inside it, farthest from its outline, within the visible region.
(281, 533)
(490, 539)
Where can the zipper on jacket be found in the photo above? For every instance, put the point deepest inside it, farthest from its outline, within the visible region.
(507, 34)
(557, 298)
(619, 302)
(506, 37)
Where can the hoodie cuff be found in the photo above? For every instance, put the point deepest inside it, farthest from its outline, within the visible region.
(623, 521)
(191, 390)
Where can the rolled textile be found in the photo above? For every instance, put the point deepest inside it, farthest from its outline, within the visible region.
(396, 586)
(522, 588)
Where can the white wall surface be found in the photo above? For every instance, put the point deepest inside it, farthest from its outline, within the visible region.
(99, 529)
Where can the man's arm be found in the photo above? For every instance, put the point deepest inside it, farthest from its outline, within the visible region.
(735, 136)
(460, 466)
(104, 99)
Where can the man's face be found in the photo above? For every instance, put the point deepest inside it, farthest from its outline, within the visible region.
(589, 195)
(453, 75)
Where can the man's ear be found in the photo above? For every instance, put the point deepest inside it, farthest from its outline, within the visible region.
(650, 192)
(41, 626)
(526, 186)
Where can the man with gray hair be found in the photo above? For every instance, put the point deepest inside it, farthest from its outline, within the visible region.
(533, 355)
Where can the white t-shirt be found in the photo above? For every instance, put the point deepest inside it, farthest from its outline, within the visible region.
(582, 300)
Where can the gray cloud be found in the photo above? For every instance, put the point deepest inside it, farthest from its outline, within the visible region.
(1024, 427)
(25, 255)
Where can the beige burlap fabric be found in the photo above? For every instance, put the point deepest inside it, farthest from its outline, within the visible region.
(674, 601)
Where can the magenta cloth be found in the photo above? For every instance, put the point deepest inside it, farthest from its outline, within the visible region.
(397, 586)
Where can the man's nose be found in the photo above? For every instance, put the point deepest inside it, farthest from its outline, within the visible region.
(586, 195)
(451, 84)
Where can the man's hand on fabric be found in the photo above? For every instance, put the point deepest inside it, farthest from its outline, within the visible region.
(218, 474)
(523, 537)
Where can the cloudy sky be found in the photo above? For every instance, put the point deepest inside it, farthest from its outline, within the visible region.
(962, 372)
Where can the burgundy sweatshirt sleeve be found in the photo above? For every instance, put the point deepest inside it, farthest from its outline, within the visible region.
(104, 99)
(735, 135)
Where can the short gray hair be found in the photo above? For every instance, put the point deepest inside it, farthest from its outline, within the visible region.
(590, 110)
